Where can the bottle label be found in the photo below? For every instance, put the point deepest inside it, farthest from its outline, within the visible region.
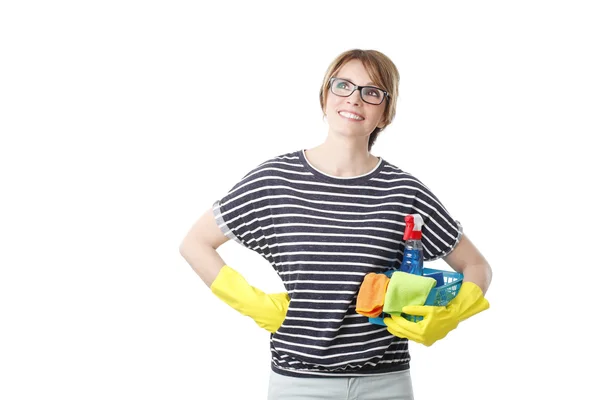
(411, 262)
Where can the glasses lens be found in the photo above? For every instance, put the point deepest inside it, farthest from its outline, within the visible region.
(372, 95)
(341, 87)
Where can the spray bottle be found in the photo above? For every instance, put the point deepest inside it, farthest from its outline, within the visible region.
(412, 262)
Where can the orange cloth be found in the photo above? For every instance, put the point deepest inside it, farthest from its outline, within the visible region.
(371, 295)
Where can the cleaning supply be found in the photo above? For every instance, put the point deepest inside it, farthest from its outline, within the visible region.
(371, 295)
(412, 262)
(406, 289)
(438, 321)
(267, 310)
(438, 296)
(438, 276)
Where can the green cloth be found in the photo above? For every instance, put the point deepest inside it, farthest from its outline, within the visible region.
(406, 289)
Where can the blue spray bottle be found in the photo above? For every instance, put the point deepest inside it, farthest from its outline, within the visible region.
(412, 262)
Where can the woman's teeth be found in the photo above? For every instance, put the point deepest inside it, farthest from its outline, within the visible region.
(350, 115)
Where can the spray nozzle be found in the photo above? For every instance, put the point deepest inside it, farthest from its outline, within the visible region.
(414, 223)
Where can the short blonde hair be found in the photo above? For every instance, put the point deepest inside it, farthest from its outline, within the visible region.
(382, 72)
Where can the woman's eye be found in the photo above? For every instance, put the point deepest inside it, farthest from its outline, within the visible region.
(373, 93)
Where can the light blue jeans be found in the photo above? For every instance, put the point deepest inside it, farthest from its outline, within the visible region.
(390, 386)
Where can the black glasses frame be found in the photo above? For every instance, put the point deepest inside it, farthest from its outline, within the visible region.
(386, 95)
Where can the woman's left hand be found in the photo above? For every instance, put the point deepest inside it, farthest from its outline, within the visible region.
(435, 325)
(438, 320)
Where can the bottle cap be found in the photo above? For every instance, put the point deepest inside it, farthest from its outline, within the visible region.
(414, 223)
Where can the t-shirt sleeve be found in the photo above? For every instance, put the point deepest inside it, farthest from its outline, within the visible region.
(441, 232)
(243, 212)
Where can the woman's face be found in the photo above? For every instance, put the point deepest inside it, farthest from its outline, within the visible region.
(351, 116)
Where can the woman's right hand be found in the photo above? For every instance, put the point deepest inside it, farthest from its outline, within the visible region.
(267, 310)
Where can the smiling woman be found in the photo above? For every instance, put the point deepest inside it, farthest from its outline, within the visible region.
(324, 218)
(381, 81)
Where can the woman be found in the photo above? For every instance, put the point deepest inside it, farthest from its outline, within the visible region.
(324, 218)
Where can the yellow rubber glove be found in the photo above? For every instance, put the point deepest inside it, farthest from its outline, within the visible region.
(438, 321)
(267, 310)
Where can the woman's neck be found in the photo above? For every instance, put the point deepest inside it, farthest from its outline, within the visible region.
(341, 161)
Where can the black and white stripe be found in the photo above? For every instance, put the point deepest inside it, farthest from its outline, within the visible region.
(323, 234)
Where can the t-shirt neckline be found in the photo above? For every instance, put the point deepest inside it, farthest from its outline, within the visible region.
(339, 179)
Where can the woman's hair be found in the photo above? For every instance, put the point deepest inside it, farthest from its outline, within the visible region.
(382, 72)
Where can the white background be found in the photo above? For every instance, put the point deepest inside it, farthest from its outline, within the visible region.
(122, 121)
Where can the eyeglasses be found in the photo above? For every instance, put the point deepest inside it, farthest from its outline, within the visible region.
(368, 94)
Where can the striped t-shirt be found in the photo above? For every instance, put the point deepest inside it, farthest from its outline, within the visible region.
(323, 234)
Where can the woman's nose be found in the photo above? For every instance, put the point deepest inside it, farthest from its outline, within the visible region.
(354, 98)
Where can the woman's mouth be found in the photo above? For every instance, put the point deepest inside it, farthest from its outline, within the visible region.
(351, 116)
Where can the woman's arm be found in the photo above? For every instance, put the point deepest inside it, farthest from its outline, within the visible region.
(466, 259)
(199, 247)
